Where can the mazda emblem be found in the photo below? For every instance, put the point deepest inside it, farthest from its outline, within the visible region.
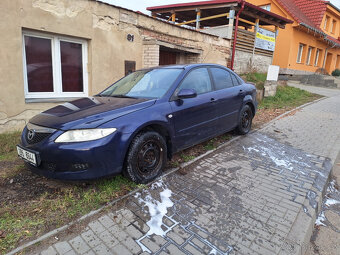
(30, 135)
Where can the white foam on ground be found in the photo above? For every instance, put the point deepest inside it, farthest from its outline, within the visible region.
(157, 210)
(272, 155)
(252, 149)
(331, 201)
(320, 220)
(213, 252)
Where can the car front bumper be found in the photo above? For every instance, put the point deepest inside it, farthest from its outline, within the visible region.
(81, 160)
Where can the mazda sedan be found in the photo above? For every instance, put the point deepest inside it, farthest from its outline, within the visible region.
(137, 124)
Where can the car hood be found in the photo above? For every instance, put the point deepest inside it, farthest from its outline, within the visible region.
(89, 112)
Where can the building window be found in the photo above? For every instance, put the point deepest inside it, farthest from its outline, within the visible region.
(54, 66)
(317, 57)
(266, 7)
(300, 53)
(333, 26)
(325, 24)
(309, 55)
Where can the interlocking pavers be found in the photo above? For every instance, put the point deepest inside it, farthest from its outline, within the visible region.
(79, 245)
(245, 198)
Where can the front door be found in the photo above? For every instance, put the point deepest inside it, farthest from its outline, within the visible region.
(195, 119)
(329, 62)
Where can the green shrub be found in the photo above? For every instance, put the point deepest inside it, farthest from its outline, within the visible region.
(336, 72)
(257, 78)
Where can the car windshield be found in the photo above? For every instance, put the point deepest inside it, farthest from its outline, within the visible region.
(152, 83)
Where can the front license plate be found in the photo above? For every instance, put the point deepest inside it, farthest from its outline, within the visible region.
(30, 157)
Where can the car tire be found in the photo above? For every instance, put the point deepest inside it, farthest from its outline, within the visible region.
(245, 120)
(146, 157)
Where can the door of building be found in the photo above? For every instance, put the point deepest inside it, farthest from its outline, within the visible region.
(329, 62)
(167, 57)
(337, 65)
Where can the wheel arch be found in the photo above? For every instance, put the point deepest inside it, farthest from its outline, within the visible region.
(248, 100)
(252, 107)
(158, 127)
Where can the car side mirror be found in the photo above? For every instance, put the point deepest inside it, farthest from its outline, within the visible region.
(186, 93)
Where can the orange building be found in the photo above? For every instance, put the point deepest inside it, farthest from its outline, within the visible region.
(312, 41)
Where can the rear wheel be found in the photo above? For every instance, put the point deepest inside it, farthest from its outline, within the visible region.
(245, 120)
(146, 157)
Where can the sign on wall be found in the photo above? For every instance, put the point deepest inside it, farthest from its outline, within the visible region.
(265, 39)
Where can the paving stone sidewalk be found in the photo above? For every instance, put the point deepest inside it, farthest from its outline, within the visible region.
(257, 195)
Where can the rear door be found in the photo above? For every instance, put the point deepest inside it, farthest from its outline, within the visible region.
(229, 97)
(195, 119)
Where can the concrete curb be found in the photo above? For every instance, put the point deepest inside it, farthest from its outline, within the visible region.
(172, 170)
(298, 238)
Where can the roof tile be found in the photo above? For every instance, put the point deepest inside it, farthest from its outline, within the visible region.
(309, 12)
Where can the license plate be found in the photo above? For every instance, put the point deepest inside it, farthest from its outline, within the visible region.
(30, 157)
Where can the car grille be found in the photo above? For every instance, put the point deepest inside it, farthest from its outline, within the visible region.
(37, 137)
(35, 134)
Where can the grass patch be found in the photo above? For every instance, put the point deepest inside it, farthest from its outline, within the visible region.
(53, 209)
(257, 78)
(186, 157)
(15, 228)
(8, 141)
(287, 97)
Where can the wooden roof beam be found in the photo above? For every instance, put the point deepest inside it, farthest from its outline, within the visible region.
(205, 18)
(271, 22)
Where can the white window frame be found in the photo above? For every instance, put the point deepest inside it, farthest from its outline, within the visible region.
(317, 55)
(325, 23)
(309, 54)
(300, 53)
(56, 67)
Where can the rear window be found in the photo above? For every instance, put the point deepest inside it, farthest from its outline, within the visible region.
(222, 78)
(237, 81)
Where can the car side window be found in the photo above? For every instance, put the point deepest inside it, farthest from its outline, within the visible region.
(222, 78)
(235, 80)
(198, 79)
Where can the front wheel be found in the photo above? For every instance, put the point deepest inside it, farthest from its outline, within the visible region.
(245, 120)
(146, 157)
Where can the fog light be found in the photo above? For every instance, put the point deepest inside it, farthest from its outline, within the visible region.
(80, 166)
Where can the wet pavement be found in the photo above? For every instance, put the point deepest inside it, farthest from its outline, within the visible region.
(257, 195)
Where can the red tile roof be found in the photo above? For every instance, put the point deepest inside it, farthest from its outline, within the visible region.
(309, 12)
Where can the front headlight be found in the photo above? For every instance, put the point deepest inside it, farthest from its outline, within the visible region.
(83, 135)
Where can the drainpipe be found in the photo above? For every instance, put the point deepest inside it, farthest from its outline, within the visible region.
(235, 35)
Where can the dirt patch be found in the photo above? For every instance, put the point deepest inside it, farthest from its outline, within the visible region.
(265, 115)
(25, 187)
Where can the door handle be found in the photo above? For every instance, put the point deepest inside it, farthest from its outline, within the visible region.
(212, 100)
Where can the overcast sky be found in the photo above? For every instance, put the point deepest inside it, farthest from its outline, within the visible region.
(140, 5)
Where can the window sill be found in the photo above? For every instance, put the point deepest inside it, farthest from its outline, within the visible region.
(50, 100)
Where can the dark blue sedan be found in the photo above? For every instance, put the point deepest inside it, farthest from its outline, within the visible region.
(138, 123)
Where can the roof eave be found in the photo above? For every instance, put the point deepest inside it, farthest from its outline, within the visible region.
(324, 35)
